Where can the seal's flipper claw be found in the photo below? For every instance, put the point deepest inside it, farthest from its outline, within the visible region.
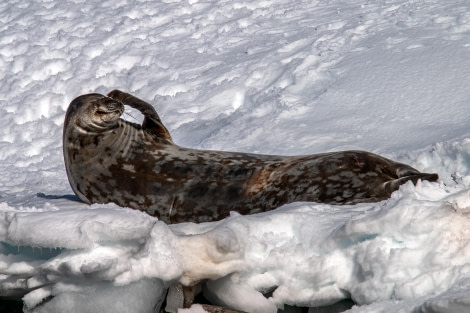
(433, 177)
(393, 185)
(152, 122)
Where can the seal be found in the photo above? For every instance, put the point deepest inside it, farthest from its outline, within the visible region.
(109, 159)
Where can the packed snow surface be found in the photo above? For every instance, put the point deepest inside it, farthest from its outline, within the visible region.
(274, 77)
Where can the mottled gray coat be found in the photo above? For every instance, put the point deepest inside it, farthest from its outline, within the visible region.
(109, 159)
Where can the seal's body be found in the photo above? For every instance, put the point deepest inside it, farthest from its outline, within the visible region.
(109, 159)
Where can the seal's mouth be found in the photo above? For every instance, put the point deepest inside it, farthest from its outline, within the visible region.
(102, 113)
(106, 115)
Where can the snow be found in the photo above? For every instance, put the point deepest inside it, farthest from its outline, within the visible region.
(274, 77)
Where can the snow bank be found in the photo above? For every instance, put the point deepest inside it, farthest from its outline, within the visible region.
(309, 255)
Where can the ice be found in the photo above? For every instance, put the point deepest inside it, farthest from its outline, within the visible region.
(82, 228)
(174, 298)
(195, 308)
(139, 297)
(224, 292)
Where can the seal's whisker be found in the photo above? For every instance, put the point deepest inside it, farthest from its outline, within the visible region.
(130, 115)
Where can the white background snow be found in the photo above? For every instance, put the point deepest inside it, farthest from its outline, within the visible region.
(275, 77)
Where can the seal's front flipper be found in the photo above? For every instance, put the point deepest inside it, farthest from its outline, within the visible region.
(393, 185)
(152, 122)
(145, 108)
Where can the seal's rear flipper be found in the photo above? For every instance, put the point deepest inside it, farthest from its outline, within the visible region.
(393, 185)
(152, 122)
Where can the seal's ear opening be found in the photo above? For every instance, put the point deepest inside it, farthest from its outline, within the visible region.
(152, 123)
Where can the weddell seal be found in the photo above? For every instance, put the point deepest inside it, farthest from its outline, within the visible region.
(109, 159)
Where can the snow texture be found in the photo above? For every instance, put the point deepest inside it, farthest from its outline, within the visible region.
(274, 77)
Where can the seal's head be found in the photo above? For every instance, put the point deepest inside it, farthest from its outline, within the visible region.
(94, 113)
(90, 120)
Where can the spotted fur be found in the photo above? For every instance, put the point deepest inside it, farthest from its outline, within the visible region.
(109, 159)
